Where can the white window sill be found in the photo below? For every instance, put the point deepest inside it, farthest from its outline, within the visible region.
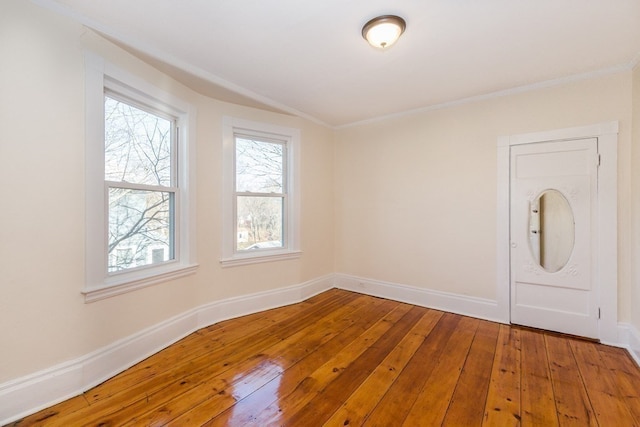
(127, 283)
(253, 258)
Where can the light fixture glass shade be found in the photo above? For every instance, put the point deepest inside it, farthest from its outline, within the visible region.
(383, 31)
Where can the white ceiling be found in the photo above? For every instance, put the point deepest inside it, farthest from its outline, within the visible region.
(308, 57)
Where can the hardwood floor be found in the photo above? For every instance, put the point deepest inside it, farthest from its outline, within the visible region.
(342, 359)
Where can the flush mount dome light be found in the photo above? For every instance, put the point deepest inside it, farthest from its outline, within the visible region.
(383, 31)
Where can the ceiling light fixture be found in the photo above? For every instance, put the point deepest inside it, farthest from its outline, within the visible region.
(383, 31)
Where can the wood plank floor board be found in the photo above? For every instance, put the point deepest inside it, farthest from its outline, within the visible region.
(537, 401)
(431, 405)
(604, 391)
(502, 406)
(395, 405)
(474, 381)
(357, 407)
(626, 377)
(248, 410)
(353, 375)
(46, 417)
(341, 358)
(571, 397)
(312, 385)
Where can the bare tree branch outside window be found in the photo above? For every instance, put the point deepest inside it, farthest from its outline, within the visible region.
(260, 193)
(141, 191)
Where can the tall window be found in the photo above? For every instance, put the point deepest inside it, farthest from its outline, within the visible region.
(261, 193)
(140, 167)
(141, 184)
(261, 220)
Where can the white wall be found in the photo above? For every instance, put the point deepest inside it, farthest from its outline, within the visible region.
(416, 194)
(43, 317)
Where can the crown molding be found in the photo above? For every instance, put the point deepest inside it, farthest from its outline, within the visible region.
(501, 93)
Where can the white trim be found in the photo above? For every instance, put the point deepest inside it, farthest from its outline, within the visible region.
(265, 256)
(172, 273)
(101, 74)
(579, 132)
(454, 303)
(606, 271)
(503, 238)
(498, 94)
(631, 341)
(34, 392)
(94, 197)
(241, 306)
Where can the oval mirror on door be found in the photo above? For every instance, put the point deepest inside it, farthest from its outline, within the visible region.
(551, 230)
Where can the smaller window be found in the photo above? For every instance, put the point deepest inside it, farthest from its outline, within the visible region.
(261, 193)
(261, 222)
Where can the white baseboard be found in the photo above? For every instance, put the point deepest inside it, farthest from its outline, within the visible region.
(454, 303)
(634, 344)
(629, 338)
(26, 395)
(239, 306)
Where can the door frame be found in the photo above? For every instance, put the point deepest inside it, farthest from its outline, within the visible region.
(606, 271)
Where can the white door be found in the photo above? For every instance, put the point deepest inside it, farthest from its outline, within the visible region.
(553, 229)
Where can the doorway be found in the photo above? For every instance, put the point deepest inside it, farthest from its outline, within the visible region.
(551, 275)
(553, 236)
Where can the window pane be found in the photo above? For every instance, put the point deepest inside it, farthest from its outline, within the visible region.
(140, 231)
(259, 222)
(137, 145)
(259, 166)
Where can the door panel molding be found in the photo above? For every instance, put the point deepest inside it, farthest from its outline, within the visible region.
(605, 272)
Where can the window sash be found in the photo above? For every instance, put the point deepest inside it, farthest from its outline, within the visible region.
(290, 137)
(172, 190)
(145, 187)
(174, 133)
(284, 176)
(172, 240)
(284, 232)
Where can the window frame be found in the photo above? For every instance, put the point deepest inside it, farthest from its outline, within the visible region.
(290, 137)
(173, 188)
(103, 78)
